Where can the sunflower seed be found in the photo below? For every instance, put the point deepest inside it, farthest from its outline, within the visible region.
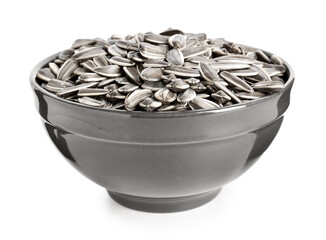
(192, 81)
(261, 55)
(65, 92)
(150, 104)
(221, 97)
(202, 103)
(66, 54)
(106, 82)
(66, 71)
(136, 97)
(228, 104)
(280, 68)
(191, 44)
(132, 74)
(171, 31)
(276, 78)
(89, 65)
(72, 97)
(199, 59)
(227, 91)
(251, 55)
(82, 42)
(221, 81)
(198, 36)
(178, 41)
(220, 51)
(268, 86)
(115, 37)
(136, 57)
(128, 88)
(114, 50)
(153, 86)
(244, 72)
(211, 88)
(151, 51)
(90, 92)
(229, 66)
(165, 108)
(186, 96)
(178, 85)
(53, 89)
(155, 38)
(181, 107)
(232, 47)
(139, 68)
(58, 61)
(203, 95)
(111, 87)
(91, 77)
(100, 61)
(132, 46)
(59, 83)
(191, 65)
(88, 53)
(152, 74)
(233, 56)
(169, 77)
(155, 63)
(129, 37)
(199, 87)
(262, 74)
(218, 42)
(276, 60)
(120, 61)
(45, 74)
(108, 71)
(235, 60)
(182, 71)
(236, 81)
(165, 96)
(272, 72)
(139, 37)
(207, 54)
(54, 68)
(90, 101)
(250, 96)
(115, 94)
(106, 104)
(191, 52)
(175, 57)
(208, 72)
(122, 80)
(122, 44)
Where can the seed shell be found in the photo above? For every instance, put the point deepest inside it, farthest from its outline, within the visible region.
(186, 96)
(175, 57)
(90, 101)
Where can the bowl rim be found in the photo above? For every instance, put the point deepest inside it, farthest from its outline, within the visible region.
(167, 114)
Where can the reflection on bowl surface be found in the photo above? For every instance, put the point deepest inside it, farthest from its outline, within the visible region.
(162, 162)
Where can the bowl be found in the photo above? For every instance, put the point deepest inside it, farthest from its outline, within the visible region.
(161, 161)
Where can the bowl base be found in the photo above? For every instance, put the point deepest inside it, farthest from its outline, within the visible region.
(163, 205)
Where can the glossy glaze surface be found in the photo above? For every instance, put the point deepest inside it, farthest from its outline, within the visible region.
(161, 155)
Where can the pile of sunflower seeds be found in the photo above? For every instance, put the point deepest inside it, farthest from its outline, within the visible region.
(170, 71)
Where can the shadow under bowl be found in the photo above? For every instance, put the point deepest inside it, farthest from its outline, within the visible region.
(161, 162)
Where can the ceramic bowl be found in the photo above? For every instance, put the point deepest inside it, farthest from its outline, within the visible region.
(161, 162)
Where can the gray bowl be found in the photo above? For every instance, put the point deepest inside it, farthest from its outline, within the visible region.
(161, 162)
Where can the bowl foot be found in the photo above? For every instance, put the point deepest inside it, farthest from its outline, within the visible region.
(163, 205)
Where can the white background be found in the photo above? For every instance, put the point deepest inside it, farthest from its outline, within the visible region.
(282, 197)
